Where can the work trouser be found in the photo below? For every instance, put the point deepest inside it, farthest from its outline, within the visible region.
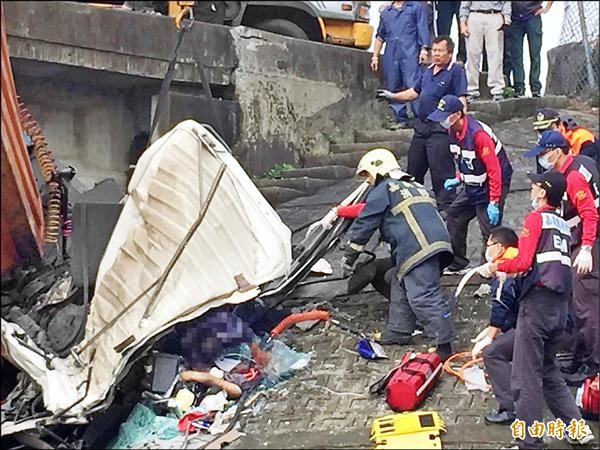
(447, 10)
(382, 280)
(484, 30)
(458, 216)
(507, 62)
(497, 358)
(584, 303)
(430, 149)
(535, 376)
(418, 297)
(516, 33)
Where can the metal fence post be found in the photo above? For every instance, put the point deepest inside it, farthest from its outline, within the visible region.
(586, 47)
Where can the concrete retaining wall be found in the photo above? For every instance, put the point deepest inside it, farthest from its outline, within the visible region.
(89, 75)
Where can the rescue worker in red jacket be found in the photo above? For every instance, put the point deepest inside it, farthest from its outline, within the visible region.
(544, 253)
(484, 171)
(580, 209)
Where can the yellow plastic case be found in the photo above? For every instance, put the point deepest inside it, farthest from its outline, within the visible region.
(421, 422)
(421, 440)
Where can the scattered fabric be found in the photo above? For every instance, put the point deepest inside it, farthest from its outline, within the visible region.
(475, 379)
(322, 266)
(214, 402)
(143, 426)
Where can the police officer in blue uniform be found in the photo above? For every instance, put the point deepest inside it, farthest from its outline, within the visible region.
(544, 254)
(430, 146)
(404, 29)
(407, 219)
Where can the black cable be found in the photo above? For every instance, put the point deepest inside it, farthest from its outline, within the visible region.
(166, 83)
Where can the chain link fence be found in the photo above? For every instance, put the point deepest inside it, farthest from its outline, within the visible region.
(573, 65)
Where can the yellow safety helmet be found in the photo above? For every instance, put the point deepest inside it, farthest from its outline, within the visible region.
(379, 161)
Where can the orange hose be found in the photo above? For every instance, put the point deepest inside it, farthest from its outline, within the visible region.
(299, 317)
(232, 389)
(460, 373)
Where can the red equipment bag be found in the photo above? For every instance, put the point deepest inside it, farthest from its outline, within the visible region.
(589, 402)
(407, 384)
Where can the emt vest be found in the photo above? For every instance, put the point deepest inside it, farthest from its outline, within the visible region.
(586, 167)
(473, 169)
(577, 137)
(411, 224)
(553, 254)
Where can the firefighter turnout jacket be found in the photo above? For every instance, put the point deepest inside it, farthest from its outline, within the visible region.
(408, 220)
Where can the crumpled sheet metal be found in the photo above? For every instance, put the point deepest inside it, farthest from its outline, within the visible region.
(241, 235)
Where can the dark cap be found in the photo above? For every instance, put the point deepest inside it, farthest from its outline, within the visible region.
(448, 104)
(548, 139)
(553, 182)
(544, 118)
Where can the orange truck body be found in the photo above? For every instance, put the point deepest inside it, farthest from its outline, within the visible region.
(22, 227)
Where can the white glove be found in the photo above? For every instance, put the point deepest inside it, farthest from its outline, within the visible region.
(326, 222)
(481, 335)
(484, 271)
(480, 346)
(583, 262)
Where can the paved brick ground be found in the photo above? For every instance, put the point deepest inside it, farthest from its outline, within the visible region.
(327, 404)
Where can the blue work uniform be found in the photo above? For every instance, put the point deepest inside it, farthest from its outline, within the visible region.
(405, 32)
(497, 357)
(407, 219)
(430, 146)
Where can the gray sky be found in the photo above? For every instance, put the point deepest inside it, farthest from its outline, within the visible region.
(551, 25)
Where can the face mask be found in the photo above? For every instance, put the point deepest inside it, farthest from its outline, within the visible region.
(446, 123)
(544, 162)
(488, 256)
(534, 204)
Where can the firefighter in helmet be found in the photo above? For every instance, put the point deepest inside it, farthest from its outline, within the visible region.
(407, 218)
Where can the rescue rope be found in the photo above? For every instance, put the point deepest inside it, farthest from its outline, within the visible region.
(460, 373)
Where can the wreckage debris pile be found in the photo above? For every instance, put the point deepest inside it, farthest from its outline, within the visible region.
(141, 424)
(220, 369)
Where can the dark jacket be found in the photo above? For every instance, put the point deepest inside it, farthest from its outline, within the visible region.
(408, 220)
(505, 311)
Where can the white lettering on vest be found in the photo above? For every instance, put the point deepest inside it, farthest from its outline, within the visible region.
(553, 222)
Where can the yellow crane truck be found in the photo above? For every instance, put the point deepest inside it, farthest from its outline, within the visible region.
(339, 23)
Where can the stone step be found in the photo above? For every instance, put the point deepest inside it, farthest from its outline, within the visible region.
(347, 159)
(492, 112)
(307, 185)
(402, 135)
(364, 147)
(324, 172)
(276, 195)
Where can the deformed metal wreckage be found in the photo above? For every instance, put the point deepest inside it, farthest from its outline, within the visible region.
(194, 234)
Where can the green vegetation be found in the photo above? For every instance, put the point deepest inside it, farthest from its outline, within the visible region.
(278, 171)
